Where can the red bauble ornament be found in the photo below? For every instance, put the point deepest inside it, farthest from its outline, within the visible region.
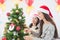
(12, 24)
(58, 2)
(29, 2)
(8, 14)
(4, 38)
(2, 1)
(18, 28)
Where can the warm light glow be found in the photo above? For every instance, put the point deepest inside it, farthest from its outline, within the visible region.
(58, 8)
(29, 9)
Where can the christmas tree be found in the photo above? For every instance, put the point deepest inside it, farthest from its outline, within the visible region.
(14, 29)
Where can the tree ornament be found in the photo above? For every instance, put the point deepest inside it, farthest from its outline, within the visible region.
(17, 11)
(18, 28)
(8, 14)
(11, 27)
(18, 38)
(19, 17)
(12, 22)
(13, 39)
(5, 31)
(15, 33)
(4, 38)
(16, 20)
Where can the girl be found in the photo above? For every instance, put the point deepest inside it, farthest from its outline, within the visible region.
(35, 26)
(48, 30)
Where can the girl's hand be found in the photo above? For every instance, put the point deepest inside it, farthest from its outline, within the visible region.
(27, 37)
(26, 30)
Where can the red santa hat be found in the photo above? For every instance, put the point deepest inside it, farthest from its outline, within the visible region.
(35, 15)
(46, 10)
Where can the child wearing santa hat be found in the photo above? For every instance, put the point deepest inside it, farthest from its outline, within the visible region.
(35, 26)
(48, 30)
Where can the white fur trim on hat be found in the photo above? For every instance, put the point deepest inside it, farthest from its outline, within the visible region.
(43, 10)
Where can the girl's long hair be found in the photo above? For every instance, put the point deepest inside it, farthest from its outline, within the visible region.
(38, 21)
(47, 17)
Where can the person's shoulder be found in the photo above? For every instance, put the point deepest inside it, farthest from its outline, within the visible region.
(51, 26)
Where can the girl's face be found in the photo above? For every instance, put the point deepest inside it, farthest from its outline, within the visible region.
(34, 20)
(40, 15)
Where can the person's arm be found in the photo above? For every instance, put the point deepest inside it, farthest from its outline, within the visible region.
(49, 33)
(36, 31)
(35, 34)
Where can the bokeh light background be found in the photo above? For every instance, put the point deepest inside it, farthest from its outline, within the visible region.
(9, 4)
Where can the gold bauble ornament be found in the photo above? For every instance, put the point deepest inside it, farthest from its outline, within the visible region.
(18, 38)
(16, 20)
(5, 31)
(17, 10)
